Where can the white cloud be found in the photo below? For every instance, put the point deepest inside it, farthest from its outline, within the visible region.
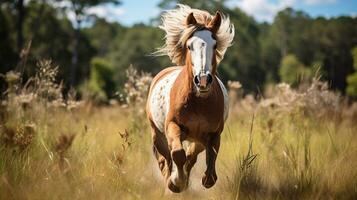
(110, 13)
(263, 10)
(107, 11)
(319, 2)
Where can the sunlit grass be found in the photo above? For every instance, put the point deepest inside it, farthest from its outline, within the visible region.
(93, 152)
(292, 161)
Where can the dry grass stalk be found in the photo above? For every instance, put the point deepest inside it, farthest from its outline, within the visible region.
(41, 88)
(137, 86)
(20, 136)
(63, 143)
(126, 143)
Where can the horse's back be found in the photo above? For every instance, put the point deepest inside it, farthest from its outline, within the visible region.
(159, 96)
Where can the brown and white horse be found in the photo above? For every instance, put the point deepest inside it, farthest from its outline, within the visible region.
(189, 102)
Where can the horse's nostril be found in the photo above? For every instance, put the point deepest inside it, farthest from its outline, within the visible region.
(196, 80)
(209, 78)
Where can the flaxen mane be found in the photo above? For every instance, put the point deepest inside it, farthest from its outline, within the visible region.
(177, 32)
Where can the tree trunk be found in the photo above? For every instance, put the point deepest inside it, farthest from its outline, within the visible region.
(35, 28)
(19, 26)
(75, 53)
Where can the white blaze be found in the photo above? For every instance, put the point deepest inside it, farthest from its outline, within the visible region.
(201, 46)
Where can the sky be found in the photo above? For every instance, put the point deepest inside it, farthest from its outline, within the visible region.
(141, 11)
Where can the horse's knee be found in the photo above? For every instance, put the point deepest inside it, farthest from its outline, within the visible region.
(179, 157)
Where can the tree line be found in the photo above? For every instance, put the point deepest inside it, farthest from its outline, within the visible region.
(95, 57)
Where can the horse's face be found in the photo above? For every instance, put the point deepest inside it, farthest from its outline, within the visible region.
(201, 47)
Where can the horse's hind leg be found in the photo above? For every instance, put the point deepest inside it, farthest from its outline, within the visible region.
(161, 152)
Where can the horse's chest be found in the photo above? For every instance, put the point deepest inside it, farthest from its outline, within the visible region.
(195, 119)
(198, 121)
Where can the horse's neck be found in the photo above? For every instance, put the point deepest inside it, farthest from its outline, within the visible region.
(183, 89)
(186, 83)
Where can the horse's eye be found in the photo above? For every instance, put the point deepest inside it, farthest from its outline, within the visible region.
(189, 47)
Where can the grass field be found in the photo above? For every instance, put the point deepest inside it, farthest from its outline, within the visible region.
(290, 145)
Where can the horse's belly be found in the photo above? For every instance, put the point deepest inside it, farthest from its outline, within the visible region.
(160, 99)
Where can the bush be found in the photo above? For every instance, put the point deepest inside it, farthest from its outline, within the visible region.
(292, 71)
(351, 89)
(101, 85)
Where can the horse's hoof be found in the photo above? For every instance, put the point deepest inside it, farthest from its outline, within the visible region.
(209, 180)
(173, 187)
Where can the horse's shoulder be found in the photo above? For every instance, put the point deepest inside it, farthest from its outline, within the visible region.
(159, 97)
(163, 73)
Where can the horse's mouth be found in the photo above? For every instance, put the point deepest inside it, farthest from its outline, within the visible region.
(203, 90)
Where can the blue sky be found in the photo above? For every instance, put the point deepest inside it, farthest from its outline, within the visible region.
(137, 11)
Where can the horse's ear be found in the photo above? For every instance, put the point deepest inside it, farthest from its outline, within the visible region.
(215, 22)
(190, 20)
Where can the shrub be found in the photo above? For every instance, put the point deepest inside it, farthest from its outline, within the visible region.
(292, 71)
(351, 89)
(137, 86)
(101, 85)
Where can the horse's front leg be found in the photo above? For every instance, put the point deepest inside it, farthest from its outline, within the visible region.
(192, 152)
(177, 181)
(212, 148)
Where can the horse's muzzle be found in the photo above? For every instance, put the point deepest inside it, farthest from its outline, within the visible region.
(203, 81)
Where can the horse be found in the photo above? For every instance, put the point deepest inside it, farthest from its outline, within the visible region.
(188, 102)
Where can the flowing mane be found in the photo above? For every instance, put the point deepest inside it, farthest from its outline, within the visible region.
(177, 32)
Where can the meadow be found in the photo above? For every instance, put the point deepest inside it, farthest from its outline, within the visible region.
(288, 143)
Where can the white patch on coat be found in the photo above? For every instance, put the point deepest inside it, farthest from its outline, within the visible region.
(201, 46)
(174, 174)
(160, 99)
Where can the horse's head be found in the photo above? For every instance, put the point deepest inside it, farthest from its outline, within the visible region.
(201, 52)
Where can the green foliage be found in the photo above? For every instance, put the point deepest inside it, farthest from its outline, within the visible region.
(241, 60)
(354, 57)
(292, 71)
(325, 40)
(102, 34)
(351, 89)
(101, 84)
(254, 58)
(7, 52)
(135, 48)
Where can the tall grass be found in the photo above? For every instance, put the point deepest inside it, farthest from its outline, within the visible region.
(294, 144)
